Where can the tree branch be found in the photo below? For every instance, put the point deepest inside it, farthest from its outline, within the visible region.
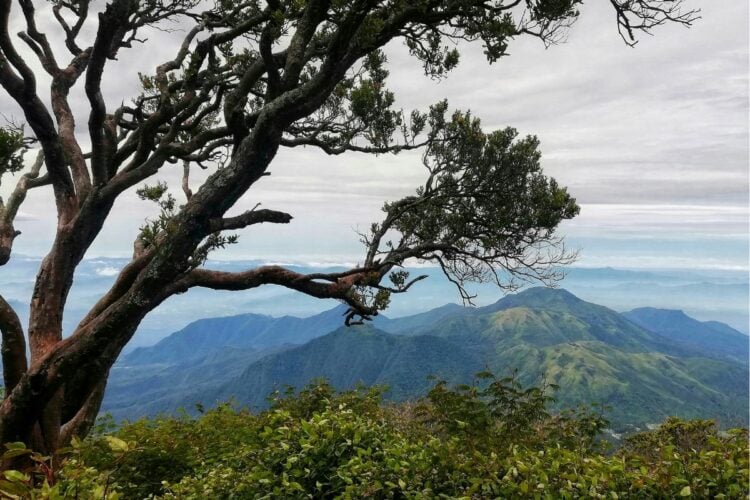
(10, 53)
(342, 289)
(82, 422)
(644, 15)
(9, 210)
(71, 33)
(23, 91)
(315, 13)
(37, 40)
(249, 218)
(333, 150)
(113, 23)
(13, 346)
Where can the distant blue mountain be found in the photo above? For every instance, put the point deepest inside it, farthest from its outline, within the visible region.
(206, 337)
(707, 336)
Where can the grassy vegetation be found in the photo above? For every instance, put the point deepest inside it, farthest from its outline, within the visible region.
(488, 440)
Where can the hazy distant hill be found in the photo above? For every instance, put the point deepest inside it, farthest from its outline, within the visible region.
(132, 390)
(700, 299)
(592, 352)
(710, 337)
(209, 336)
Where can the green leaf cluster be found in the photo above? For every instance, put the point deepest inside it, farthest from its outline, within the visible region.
(495, 439)
(13, 146)
(159, 194)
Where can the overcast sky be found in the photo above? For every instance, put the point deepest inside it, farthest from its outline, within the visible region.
(652, 141)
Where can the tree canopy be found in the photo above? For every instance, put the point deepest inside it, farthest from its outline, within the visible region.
(249, 79)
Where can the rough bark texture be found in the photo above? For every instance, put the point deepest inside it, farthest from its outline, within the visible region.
(13, 347)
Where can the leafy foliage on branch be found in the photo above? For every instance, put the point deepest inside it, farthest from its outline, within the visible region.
(13, 146)
(484, 190)
(486, 213)
(166, 202)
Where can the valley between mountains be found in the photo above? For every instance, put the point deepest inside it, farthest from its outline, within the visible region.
(645, 364)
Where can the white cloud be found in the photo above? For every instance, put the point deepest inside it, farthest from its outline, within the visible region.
(107, 271)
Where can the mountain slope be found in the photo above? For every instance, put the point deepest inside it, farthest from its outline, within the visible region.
(246, 331)
(132, 389)
(711, 337)
(545, 316)
(357, 355)
(346, 357)
(596, 355)
(640, 387)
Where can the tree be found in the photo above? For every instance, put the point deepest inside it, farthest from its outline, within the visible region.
(249, 78)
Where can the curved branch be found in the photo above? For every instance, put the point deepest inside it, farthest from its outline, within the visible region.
(345, 286)
(37, 40)
(249, 218)
(113, 23)
(62, 82)
(23, 91)
(85, 418)
(10, 53)
(9, 210)
(315, 13)
(71, 33)
(334, 150)
(341, 288)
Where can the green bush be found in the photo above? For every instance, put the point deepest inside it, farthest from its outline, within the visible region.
(492, 439)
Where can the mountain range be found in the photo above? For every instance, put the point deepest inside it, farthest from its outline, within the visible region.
(255, 332)
(646, 364)
(704, 294)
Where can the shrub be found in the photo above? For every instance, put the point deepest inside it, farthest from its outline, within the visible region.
(492, 439)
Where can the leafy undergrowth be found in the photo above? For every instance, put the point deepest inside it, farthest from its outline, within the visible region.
(495, 439)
